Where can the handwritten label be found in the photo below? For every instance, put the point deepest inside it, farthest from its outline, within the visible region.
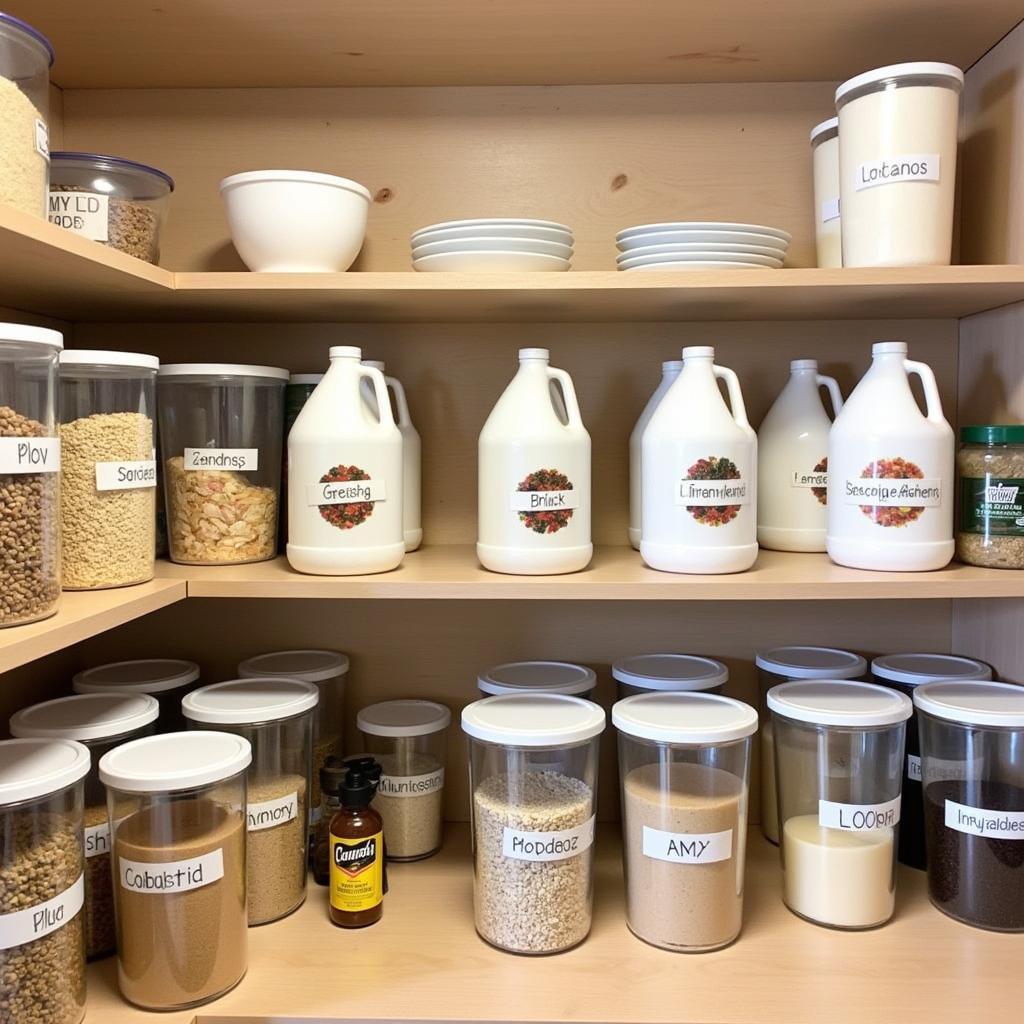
(545, 846)
(411, 785)
(84, 213)
(29, 455)
(894, 493)
(159, 879)
(859, 817)
(544, 501)
(979, 821)
(892, 169)
(222, 458)
(830, 210)
(345, 492)
(687, 848)
(808, 479)
(713, 492)
(125, 476)
(35, 922)
(913, 767)
(268, 813)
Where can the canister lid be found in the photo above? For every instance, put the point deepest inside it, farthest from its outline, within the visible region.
(305, 378)
(250, 701)
(894, 72)
(32, 768)
(24, 26)
(311, 666)
(86, 716)
(684, 718)
(222, 370)
(106, 164)
(839, 702)
(1009, 433)
(670, 672)
(831, 126)
(175, 761)
(403, 718)
(102, 357)
(33, 335)
(973, 703)
(799, 662)
(533, 720)
(146, 675)
(538, 677)
(914, 669)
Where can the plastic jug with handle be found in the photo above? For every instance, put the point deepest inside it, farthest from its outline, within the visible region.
(890, 471)
(699, 474)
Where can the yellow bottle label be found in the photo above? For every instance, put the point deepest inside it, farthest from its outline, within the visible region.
(357, 872)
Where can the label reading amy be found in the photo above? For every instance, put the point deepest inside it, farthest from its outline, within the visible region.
(543, 501)
(222, 458)
(713, 492)
(42, 140)
(411, 785)
(125, 476)
(992, 506)
(345, 492)
(979, 821)
(268, 813)
(858, 817)
(830, 210)
(677, 848)
(561, 845)
(85, 213)
(29, 455)
(889, 170)
(913, 767)
(34, 922)
(893, 492)
(171, 876)
(812, 479)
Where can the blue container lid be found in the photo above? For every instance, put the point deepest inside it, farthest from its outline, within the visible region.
(103, 162)
(24, 26)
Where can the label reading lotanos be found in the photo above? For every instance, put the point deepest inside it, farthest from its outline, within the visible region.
(357, 873)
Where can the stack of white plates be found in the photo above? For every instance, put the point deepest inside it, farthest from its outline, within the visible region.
(493, 244)
(701, 245)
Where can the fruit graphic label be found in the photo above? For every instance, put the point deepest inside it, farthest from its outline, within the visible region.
(816, 481)
(893, 492)
(544, 501)
(345, 496)
(713, 491)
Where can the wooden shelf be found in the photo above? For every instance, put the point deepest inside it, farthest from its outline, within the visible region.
(424, 961)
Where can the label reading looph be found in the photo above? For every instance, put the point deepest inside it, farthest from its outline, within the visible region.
(859, 817)
(33, 923)
(679, 848)
(357, 873)
(545, 846)
(29, 455)
(84, 213)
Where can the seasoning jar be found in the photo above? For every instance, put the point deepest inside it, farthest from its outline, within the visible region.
(407, 739)
(177, 811)
(533, 780)
(538, 677)
(221, 432)
(276, 717)
(780, 665)
(990, 528)
(42, 886)
(972, 767)
(25, 60)
(29, 471)
(118, 202)
(100, 722)
(166, 679)
(108, 468)
(647, 673)
(825, 163)
(839, 756)
(684, 769)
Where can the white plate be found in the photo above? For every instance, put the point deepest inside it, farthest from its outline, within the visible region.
(701, 257)
(487, 222)
(703, 225)
(491, 244)
(685, 247)
(694, 266)
(732, 239)
(494, 231)
(492, 261)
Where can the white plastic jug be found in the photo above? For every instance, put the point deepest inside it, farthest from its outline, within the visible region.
(699, 474)
(412, 454)
(669, 372)
(345, 476)
(890, 471)
(792, 462)
(534, 476)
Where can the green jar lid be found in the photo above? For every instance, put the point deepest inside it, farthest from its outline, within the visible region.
(993, 434)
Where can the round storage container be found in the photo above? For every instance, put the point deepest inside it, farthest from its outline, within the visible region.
(839, 757)
(645, 673)
(897, 163)
(29, 472)
(221, 432)
(118, 202)
(100, 722)
(684, 767)
(538, 677)
(825, 162)
(533, 780)
(108, 468)
(408, 740)
(972, 766)
(25, 59)
(42, 884)
(177, 809)
(780, 665)
(166, 679)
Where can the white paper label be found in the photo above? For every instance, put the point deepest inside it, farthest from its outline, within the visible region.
(97, 839)
(894, 493)
(979, 821)
(561, 845)
(713, 492)
(678, 848)
(125, 476)
(830, 210)
(809, 479)
(345, 492)
(35, 922)
(859, 817)
(222, 458)
(544, 501)
(29, 455)
(171, 876)
(913, 767)
(411, 785)
(42, 140)
(85, 213)
(269, 813)
(891, 169)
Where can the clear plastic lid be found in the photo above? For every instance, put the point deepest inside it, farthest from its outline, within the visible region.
(87, 717)
(147, 182)
(403, 718)
(977, 702)
(800, 662)
(533, 720)
(175, 761)
(146, 675)
(677, 672)
(34, 768)
(685, 719)
(538, 677)
(914, 669)
(251, 701)
(312, 666)
(841, 702)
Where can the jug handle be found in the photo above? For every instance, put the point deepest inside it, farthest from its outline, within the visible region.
(732, 385)
(404, 419)
(831, 385)
(572, 408)
(933, 402)
(385, 417)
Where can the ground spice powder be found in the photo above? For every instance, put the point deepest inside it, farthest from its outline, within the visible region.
(276, 854)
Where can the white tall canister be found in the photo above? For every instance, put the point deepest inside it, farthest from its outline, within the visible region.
(825, 165)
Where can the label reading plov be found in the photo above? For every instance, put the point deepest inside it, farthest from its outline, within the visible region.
(859, 817)
(830, 210)
(125, 476)
(543, 501)
(268, 813)
(171, 876)
(239, 459)
(345, 492)
(979, 821)
(411, 785)
(29, 455)
(357, 873)
(992, 506)
(892, 492)
(85, 213)
(913, 767)
(35, 922)
(560, 845)
(677, 848)
(891, 169)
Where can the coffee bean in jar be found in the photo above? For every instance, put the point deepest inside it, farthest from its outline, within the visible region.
(990, 528)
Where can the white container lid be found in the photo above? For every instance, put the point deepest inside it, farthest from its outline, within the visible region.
(977, 702)
(799, 662)
(345, 352)
(175, 761)
(310, 666)
(403, 718)
(844, 702)
(914, 669)
(888, 348)
(250, 701)
(538, 677)
(222, 370)
(684, 718)
(673, 672)
(103, 357)
(146, 675)
(33, 335)
(803, 364)
(831, 125)
(33, 768)
(305, 378)
(915, 69)
(533, 720)
(86, 716)
(300, 177)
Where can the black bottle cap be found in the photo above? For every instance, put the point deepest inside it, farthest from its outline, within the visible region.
(332, 775)
(359, 786)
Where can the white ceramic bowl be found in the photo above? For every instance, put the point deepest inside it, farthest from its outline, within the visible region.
(491, 244)
(687, 247)
(693, 265)
(491, 261)
(701, 257)
(731, 239)
(703, 225)
(295, 221)
(494, 231)
(480, 225)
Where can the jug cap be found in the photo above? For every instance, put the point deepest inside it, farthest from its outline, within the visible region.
(671, 364)
(534, 353)
(803, 364)
(698, 352)
(345, 352)
(881, 348)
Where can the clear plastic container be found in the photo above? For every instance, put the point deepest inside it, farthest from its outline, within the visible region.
(408, 740)
(29, 472)
(972, 764)
(118, 202)
(780, 665)
(689, 673)
(825, 164)
(42, 883)
(221, 434)
(100, 722)
(839, 760)
(108, 468)
(538, 677)
(533, 780)
(905, 672)
(177, 806)
(25, 60)
(684, 768)
(166, 679)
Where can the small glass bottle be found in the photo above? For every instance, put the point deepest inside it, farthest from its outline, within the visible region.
(356, 891)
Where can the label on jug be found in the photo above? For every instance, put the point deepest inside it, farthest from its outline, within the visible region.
(84, 213)
(814, 480)
(171, 876)
(713, 491)
(29, 455)
(23, 926)
(561, 845)
(893, 492)
(979, 821)
(544, 501)
(680, 848)
(830, 210)
(239, 459)
(889, 170)
(858, 817)
(125, 476)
